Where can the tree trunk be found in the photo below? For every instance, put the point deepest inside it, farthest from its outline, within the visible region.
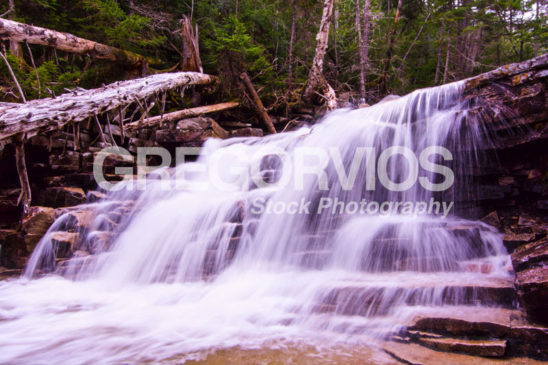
(440, 54)
(361, 49)
(178, 115)
(315, 77)
(50, 114)
(258, 103)
(474, 50)
(15, 47)
(291, 44)
(190, 57)
(335, 48)
(25, 197)
(447, 56)
(366, 35)
(19, 32)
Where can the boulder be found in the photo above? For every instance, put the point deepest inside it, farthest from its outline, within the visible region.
(247, 132)
(531, 266)
(492, 219)
(532, 286)
(62, 197)
(65, 243)
(11, 248)
(68, 161)
(35, 224)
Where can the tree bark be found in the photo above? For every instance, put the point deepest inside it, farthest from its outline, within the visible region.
(50, 114)
(258, 103)
(475, 46)
(361, 49)
(181, 114)
(190, 60)
(440, 54)
(25, 197)
(315, 77)
(8, 66)
(446, 69)
(19, 32)
(291, 44)
(366, 34)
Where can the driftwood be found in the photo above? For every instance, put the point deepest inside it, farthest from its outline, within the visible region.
(19, 32)
(181, 114)
(49, 114)
(258, 103)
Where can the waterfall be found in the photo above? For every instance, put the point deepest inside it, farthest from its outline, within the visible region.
(195, 266)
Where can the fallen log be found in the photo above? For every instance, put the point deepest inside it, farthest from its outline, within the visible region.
(49, 114)
(178, 115)
(20, 32)
(258, 103)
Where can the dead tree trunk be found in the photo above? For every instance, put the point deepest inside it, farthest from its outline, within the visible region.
(25, 197)
(361, 49)
(315, 77)
(190, 56)
(50, 114)
(178, 115)
(15, 47)
(257, 103)
(366, 32)
(19, 32)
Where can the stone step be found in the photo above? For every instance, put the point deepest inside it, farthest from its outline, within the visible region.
(523, 337)
(485, 348)
(411, 353)
(380, 294)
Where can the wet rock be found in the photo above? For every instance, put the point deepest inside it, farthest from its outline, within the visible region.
(95, 196)
(179, 135)
(76, 219)
(523, 337)
(410, 353)
(487, 348)
(62, 197)
(191, 130)
(65, 243)
(68, 161)
(531, 266)
(99, 241)
(35, 224)
(492, 219)
(532, 285)
(247, 132)
(512, 240)
(9, 211)
(11, 248)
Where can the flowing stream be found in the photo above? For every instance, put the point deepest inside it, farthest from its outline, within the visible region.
(196, 267)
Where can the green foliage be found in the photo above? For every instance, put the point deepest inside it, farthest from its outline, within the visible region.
(231, 39)
(255, 37)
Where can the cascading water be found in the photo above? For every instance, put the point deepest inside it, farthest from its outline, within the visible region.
(199, 267)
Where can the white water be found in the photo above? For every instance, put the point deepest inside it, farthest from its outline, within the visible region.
(174, 284)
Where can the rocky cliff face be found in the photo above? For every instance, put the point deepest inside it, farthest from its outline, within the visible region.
(513, 179)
